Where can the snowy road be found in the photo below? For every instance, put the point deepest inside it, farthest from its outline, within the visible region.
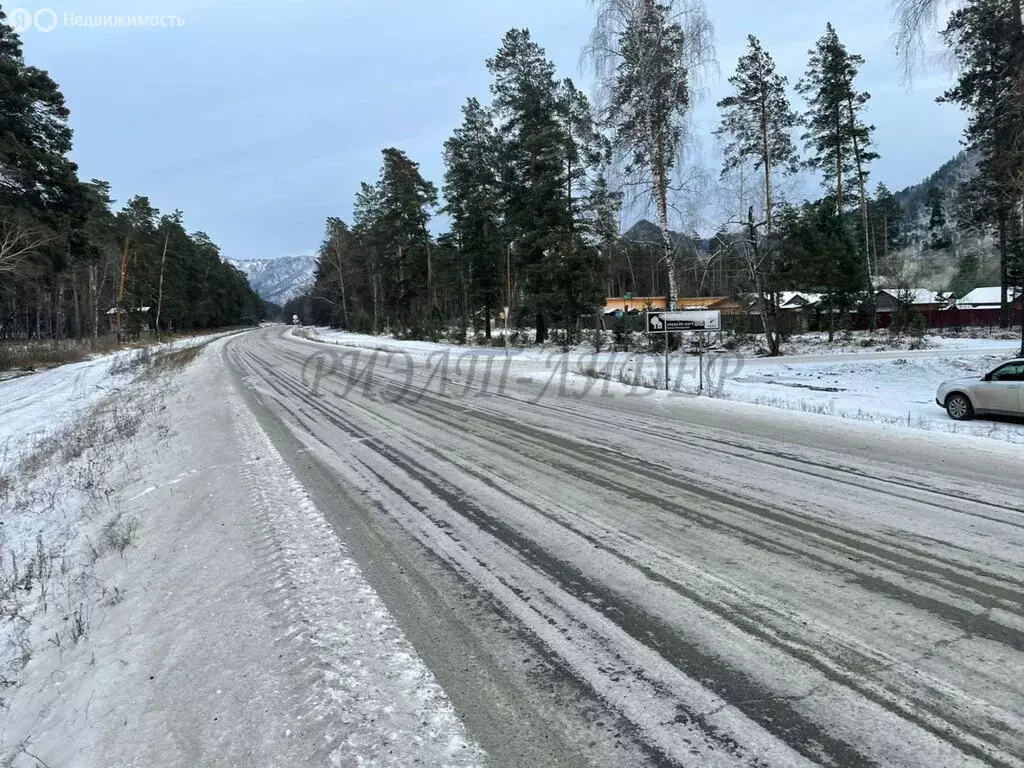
(605, 580)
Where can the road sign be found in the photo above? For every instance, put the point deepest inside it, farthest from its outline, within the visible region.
(676, 322)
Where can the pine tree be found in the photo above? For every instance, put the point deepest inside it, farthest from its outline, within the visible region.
(472, 194)
(547, 155)
(577, 265)
(647, 55)
(822, 257)
(604, 222)
(838, 139)
(885, 221)
(403, 200)
(757, 122)
(984, 37)
(366, 228)
(35, 138)
(531, 160)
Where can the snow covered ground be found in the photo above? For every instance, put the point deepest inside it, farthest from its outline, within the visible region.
(874, 383)
(817, 343)
(35, 405)
(169, 595)
(743, 585)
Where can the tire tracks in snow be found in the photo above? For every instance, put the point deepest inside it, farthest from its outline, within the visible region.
(592, 468)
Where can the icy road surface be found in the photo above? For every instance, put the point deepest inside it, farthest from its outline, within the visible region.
(616, 581)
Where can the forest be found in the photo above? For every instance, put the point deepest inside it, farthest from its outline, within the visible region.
(70, 265)
(539, 176)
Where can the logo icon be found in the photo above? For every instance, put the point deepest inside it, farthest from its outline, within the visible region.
(21, 19)
(46, 20)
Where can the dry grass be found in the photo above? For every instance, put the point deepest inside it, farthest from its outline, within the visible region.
(74, 474)
(176, 360)
(32, 355)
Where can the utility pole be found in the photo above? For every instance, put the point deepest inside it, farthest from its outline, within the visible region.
(160, 291)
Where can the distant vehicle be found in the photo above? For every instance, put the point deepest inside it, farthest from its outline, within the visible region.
(998, 392)
(295, 320)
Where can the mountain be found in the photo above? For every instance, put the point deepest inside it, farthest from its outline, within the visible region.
(953, 255)
(646, 232)
(948, 178)
(278, 280)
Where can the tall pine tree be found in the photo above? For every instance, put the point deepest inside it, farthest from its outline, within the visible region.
(472, 194)
(757, 125)
(838, 139)
(982, 35)
(758, 121)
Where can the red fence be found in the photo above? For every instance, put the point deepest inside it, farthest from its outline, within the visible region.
(956, 319)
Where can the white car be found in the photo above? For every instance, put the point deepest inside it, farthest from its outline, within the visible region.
(999, 392)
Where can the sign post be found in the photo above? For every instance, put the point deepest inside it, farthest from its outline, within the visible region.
(700, 359)
(666, 362)
(679, 322)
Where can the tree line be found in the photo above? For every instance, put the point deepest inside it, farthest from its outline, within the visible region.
(72, 266)
(537, 177)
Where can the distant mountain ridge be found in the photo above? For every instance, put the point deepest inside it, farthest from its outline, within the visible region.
(938, 267)
(278, 280)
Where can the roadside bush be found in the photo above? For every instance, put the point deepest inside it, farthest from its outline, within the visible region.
(918, 326)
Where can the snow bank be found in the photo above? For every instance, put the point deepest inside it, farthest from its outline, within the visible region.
(193, 606)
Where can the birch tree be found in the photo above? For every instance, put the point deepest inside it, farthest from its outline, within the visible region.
(19, 246)
(648, 57)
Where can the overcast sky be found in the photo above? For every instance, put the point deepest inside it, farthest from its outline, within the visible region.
(259, 119)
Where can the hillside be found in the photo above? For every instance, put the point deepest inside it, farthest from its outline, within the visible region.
(948, 177)
(278, 280)
(950, 255)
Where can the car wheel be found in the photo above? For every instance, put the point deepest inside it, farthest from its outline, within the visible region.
(959, 407)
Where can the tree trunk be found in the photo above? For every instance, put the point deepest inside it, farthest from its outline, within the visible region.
(160, 291)
(766, 304)
(94, 299)
(1004, 277)
(863, 216)
(344, 301)
(120, 290)
(666, 242)
(77, 328)
(376, 303)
